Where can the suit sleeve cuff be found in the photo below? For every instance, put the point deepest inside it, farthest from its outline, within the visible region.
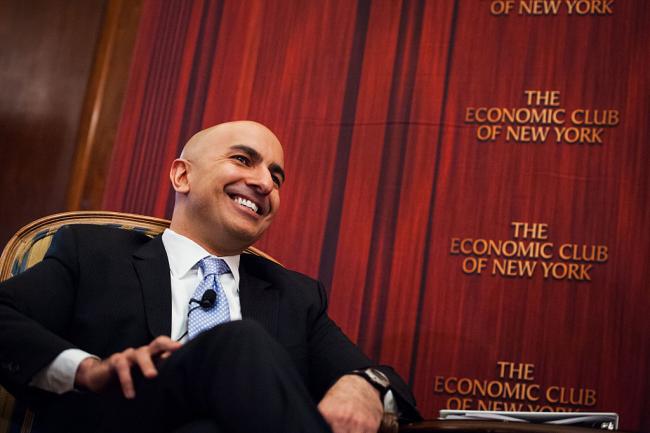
(59, 375)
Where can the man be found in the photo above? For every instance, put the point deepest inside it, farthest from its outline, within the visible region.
(122, 327)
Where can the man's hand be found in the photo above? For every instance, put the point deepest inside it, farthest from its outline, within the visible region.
(95, 375)
(352, 405)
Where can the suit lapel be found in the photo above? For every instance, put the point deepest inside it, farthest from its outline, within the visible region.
(152, 267)
(259, 299)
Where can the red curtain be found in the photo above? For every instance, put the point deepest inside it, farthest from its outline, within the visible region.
(384, 168)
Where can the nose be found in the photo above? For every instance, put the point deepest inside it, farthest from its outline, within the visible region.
(261, 180)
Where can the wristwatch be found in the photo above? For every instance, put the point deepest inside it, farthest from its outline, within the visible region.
(375, 378)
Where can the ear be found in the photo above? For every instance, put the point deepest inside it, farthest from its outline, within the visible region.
(178, 176)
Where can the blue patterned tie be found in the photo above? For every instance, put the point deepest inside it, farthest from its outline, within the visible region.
(201, 319)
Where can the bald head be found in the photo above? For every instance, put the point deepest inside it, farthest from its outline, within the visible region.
(227, 183)
(197, 144)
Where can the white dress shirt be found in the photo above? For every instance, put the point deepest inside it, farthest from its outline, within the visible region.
(184, 256)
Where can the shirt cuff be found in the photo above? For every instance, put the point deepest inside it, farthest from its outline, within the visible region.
(390, 405)
(59, 375)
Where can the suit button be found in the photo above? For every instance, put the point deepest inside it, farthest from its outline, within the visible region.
(10, 366)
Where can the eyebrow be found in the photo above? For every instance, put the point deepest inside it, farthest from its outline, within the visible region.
(275, 168)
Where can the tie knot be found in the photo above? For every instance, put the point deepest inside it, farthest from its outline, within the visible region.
(213, 265)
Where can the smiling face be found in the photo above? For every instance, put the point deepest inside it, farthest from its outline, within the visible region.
(227, 183)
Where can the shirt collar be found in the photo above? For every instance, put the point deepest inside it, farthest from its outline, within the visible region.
(184, 255)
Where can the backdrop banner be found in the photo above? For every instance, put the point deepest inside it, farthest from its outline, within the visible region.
(469, 178)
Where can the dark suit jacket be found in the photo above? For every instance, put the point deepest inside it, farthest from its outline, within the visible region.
(103, 289)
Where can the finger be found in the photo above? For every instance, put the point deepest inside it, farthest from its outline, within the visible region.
(165, 355)
(343, 427)
(353, 424)
(163, 344)
(356, 424)
(144, 361)
(122, 367)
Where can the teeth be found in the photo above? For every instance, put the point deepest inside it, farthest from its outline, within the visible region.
(249, 204)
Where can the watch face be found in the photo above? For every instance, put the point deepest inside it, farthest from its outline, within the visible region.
(378, 377)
